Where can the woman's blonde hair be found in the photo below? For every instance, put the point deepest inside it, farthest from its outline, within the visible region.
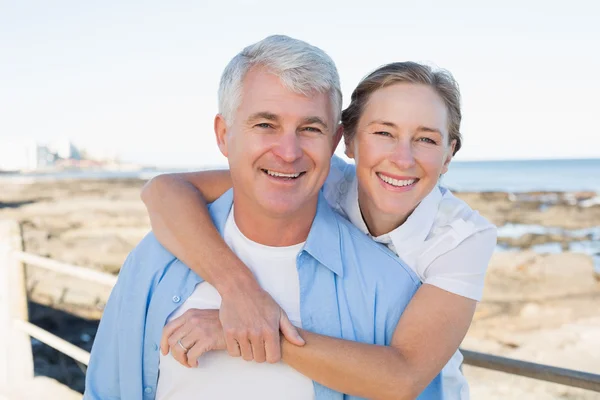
(439, 80)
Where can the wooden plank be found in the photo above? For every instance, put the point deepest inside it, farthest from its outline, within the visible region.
(16, 358)
(67, 269)
(54, 341)
(563, 376)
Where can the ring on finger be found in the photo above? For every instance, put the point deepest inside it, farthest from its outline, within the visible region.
(185, 349)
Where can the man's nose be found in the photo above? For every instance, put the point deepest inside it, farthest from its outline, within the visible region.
(288, 147)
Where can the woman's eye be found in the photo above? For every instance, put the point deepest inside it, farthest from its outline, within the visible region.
(427, 140)
(382, 133)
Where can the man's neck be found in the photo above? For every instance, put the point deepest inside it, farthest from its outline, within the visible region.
(270, 229)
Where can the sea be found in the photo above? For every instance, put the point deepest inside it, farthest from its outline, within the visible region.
(515, 176)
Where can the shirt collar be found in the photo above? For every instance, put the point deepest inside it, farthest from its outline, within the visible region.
(416, 227)
(220, 209)
(322, 243)
(352, 208)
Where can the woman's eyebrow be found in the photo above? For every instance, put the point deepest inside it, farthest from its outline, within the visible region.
(428, 129)
(382, 122)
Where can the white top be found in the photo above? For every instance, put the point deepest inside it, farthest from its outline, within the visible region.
(219, 376)
(446, 243)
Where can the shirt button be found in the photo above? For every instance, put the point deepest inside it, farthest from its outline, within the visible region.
(148, 389)
(176, 299)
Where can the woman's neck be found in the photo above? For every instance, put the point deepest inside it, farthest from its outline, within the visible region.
(377, 222)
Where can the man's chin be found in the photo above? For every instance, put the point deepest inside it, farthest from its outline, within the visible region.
(285, 205)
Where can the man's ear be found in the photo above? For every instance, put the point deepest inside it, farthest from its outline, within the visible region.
(221, 134)
(337, 137)
(449, 155)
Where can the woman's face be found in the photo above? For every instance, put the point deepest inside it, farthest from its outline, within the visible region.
(400, 148)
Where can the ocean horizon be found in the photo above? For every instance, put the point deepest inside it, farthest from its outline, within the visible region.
(515, 176)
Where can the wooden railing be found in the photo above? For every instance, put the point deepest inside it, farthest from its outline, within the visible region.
(16, 364)
(16, 361)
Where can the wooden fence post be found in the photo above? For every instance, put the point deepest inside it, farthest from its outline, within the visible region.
(16, 358)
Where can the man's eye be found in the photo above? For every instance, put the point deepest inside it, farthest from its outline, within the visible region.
(312, 129)
(263, 125)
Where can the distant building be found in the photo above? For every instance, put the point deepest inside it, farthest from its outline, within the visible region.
(63, 148)
(27, 155)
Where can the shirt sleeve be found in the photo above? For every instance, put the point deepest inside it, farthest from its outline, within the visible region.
(462, 269)
(102, 376)
(337, 182)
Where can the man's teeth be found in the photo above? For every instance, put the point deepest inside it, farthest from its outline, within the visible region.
(282, 175)
(396, 182)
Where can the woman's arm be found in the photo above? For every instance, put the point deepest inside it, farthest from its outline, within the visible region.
(427, 335)
(429, 331)
(180, 220)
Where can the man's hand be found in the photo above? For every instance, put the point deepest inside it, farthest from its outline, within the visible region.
(252, 322)
(192, 334)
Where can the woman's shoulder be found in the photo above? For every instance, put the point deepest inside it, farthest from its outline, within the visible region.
(338, 182)
(456, 215)
(458, 249)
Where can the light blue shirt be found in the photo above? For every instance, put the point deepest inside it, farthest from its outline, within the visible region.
(350, 287)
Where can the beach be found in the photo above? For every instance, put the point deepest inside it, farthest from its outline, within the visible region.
(540, 303)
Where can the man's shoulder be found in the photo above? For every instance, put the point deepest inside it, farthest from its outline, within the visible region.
(150, 254)
(362, 252)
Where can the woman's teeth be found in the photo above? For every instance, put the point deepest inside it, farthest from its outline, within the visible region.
(396, 182)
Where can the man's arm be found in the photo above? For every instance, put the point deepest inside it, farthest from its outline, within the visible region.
(180, 220)
(428, 334)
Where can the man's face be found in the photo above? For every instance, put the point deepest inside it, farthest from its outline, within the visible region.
(279, 146)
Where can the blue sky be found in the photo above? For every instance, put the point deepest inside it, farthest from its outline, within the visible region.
(140, 78)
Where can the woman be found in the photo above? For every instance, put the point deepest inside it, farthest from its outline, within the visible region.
(402, 130)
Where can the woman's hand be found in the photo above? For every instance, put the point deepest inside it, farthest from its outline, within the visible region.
(252, 322)
(192, 334)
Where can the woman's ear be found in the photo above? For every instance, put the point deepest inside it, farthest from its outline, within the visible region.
(349, 150)
(448, 156)
(339, 133)
(221, 133)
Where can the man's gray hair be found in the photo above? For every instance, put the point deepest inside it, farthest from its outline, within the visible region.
(302, 68)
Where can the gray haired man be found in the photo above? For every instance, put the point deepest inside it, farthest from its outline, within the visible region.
(280, 104)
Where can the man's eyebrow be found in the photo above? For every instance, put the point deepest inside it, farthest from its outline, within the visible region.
(315, 120)
(263, 115)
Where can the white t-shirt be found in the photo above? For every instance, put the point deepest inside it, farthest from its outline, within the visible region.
(219, 376)
(446, 243)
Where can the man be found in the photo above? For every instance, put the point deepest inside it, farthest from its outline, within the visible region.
(279, 108)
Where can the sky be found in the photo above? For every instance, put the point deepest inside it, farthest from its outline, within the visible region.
(140, 78)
